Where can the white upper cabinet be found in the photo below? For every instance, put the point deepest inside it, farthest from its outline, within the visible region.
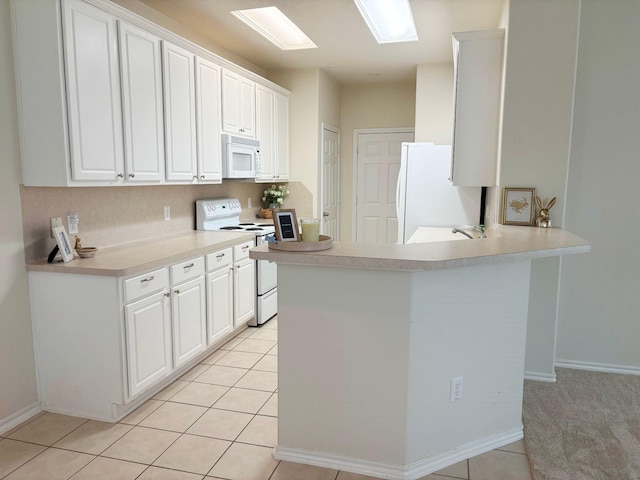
(93, 94)
(478, 67)
(141, 70)
(272, 129)
(238, 104)
(180, 112)
(209, 120)
(106, 97)
(281, 122)
(265, 132)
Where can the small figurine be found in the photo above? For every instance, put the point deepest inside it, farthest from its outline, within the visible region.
(543, 220)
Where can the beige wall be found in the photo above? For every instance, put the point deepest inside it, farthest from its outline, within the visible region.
(434, 103)
(17, 365)
(374, 105)
(537, 112)
(598, 325)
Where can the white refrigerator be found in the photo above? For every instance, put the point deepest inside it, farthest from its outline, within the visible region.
(425, 196)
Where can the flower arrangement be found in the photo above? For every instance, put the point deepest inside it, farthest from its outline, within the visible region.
(274, 195)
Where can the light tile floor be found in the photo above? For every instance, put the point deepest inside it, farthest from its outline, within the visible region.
(218, 421)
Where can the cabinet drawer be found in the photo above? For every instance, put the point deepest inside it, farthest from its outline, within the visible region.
(186, 270)
(241, 251)
(145, 284)
(219, 259)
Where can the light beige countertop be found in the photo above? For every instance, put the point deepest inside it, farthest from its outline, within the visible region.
(138, 257)
(504, 244)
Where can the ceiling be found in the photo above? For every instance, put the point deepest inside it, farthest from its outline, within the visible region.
(346, 48)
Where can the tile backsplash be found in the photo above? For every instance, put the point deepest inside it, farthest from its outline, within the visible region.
(112, 216)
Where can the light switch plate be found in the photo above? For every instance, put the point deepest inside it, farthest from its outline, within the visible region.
(55, 222)
(72, 223)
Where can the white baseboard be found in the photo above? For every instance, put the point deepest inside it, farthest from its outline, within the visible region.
(598, 367)
(20, 416)
(412, 471)
(540, 377)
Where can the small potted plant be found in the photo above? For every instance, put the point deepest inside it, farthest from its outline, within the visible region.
(273, 197)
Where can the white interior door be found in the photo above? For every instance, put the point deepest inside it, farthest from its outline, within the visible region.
(330, 182)
(378, 163)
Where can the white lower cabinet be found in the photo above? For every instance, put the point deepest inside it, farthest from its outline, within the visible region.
(244, 284)
(188, 309)
(104, 344)
(148, 340)
(219, 294)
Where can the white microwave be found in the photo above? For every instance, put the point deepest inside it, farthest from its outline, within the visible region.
(240, 157)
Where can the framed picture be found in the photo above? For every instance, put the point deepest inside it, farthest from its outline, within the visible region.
(518, 206)
(64, 245)
(286, 225)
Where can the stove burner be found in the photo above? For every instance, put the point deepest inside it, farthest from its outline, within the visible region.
(230, 228)
(246, 224)
(264, 224)
(253, 229)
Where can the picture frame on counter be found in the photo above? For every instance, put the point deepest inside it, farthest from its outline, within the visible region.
(64, 245)
(286, 224)
(518, 206)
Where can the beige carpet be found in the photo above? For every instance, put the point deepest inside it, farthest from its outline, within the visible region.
(585, 426)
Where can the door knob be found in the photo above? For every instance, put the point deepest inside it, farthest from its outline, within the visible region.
(325, 214)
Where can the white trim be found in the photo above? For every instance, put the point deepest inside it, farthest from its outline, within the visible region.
(598, 367)
(354, 161)
(540, 377)
(411, 471)
(19, 417)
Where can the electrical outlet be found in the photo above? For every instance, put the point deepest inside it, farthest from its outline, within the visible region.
(72, 223)
(457, 388)
(167, 212)
(55, 222)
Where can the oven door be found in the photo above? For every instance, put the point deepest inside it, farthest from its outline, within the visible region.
(266, 272)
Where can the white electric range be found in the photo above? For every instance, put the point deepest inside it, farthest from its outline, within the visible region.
(224, 214)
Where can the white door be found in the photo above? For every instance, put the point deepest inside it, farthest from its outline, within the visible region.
(148, 338)
(141, 66)
(180, 113)
(219, 303)
(330, 182)
(378, 164)
(238, 104)
(93, 94)
(188, 316)
(244, 291)
(209, 121)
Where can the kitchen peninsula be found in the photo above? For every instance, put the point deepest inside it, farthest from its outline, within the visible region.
(372, 337)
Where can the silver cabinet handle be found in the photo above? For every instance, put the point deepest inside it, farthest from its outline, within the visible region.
(202, 177)
(148, 279)
(220, 256)
(121, 175)
(245, 247)
(177, 292)
(325, 214)
(167, 294)
(188, 266)
(131, 175)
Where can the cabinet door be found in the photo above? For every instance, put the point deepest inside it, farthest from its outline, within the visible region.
(148, 340)
(219, 303)
(180, 115)
(245, 291)
(188, 316)
(141, 69)
(281, 133)
(238, 104)
(93, 92)
(478, 78)
(265, 133)
(208, 121)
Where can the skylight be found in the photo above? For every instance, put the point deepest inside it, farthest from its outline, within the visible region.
(276, 27)
(390, 21)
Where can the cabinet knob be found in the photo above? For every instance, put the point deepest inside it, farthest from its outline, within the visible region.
(202, 177)
(131, 175)
(167, 294)
(325, 214)
(177, 292)
(121, 175)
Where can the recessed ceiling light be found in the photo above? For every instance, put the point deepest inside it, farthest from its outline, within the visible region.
(276, 27)
(390, 21)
